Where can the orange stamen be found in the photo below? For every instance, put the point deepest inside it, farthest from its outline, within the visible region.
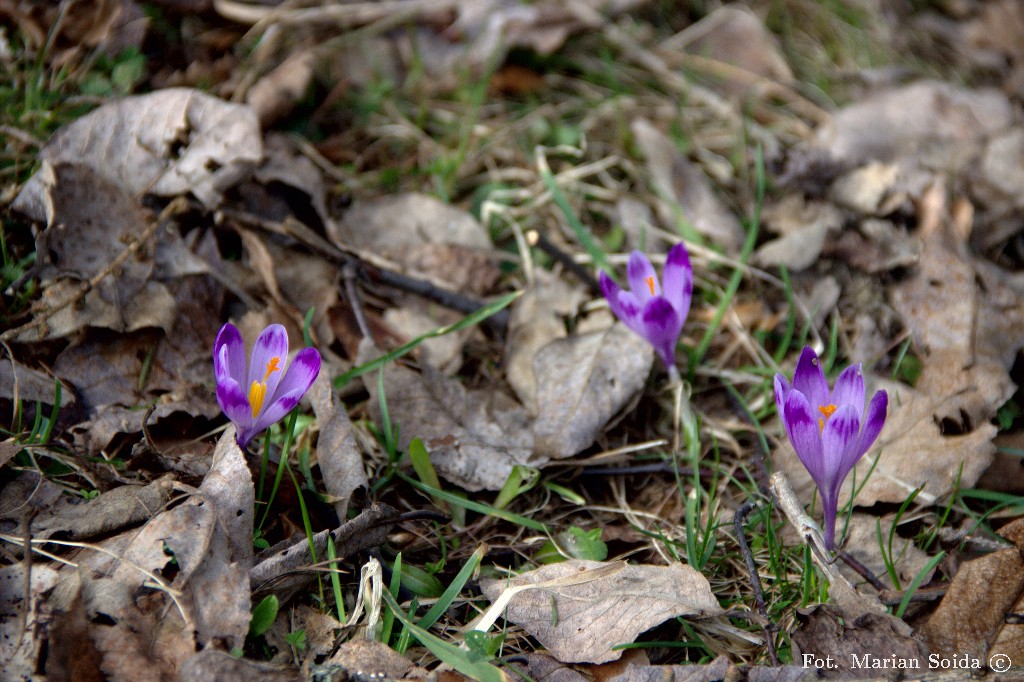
(272, 367)
(828, 411)
(650, 285)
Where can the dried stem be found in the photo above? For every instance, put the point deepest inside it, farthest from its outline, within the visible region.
(770, 628)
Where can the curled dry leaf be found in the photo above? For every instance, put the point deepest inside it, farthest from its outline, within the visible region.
(581, 620)
(683, 186)
(223, 667)
(829, 632)
(735, 35)
(475, 437)
(972, 618)
(110, 512)
(166, 143)
(536, 320)
(337, 452)
(582, 382)
(370, 658)
(426, 237)
(22, 635)
(941, 131)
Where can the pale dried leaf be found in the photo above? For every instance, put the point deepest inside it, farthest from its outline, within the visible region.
(22, 634)
(581, 622)
(718, 669)
(942, 129)
(798, 250)
(370, 657)
(223, 667)
(167, 143)
(337, 452)
(30, 385)
(535, 320)
(474, 437)
(426, 237)
(735, 35)
(228, 485)
(276, 93)
(112, 511)
(681, 186)
(582, 382)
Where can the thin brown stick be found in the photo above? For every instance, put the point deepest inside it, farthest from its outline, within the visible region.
(770, 628)
(863, 571)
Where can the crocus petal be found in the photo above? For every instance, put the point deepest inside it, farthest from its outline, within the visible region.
(277, 409)
(234, 403)
(849, 389)
(662, 325)
(300, 375)
(839, 439)
(624, 305)
(810, 380)
(802, 429)
(642, 277)
(229, 354)
(782, 389)
(874, 420)
(271, 343)
(678, 279)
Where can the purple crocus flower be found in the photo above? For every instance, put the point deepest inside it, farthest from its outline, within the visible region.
(654, 310)
(257, 398)
(828, 429)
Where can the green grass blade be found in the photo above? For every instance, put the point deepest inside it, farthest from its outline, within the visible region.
(595, 251)
(445, 651)
(453, 590)
(474, 506)
(916, 583)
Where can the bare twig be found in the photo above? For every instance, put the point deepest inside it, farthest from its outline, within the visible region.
(535, 238)
(863, 571)
(770, 628)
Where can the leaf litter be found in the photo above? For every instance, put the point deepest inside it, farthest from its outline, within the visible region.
(158, 217)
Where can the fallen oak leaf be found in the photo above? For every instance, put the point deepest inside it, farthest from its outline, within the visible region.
(580, 617)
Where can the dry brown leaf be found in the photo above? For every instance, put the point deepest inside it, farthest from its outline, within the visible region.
(371, 658)
(971, 619)
(228, 485)
(275, 94)
(167, 143)
(337, 452)
(719, 669)
(942, 130)
(735, 35)
(534, 321)
(474, 437)
(223, 667)
(22, 630)
(832, 640)
(582, 382)
(582, 621)
(427, 237)
(681, 186)
(30, 385)
(115, 510)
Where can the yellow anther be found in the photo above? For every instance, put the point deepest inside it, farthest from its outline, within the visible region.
(257, 393)
(650, 285)
(828, 411)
